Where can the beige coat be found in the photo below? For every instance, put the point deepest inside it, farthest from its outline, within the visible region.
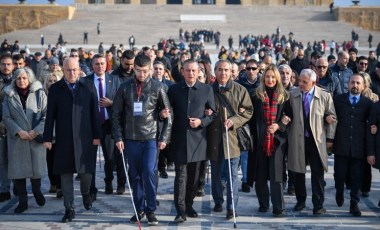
(321, 106)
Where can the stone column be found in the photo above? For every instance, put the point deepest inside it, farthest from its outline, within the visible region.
(187, 2)
(161, 2)
(246, 2)
(220, 2)
(135, 2)
(109, 2)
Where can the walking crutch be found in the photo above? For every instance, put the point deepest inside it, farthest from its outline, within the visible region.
(229, 168)
(130, 190)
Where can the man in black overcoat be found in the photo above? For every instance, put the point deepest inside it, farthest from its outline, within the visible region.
(189, 99)
(73, 112)
(352, 143)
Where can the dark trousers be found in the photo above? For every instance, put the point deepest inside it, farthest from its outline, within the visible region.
(203, 168)
(164, 158)
(55, 179)
(317, 176)
(142, 161)
(367, 177)
(68, 187)
(107, 145)
(20, 185)
(267, 169)
(287, 177)
(185, 185)
(344, 166)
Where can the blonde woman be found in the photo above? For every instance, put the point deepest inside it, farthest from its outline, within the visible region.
(55, 180)
(268, 133)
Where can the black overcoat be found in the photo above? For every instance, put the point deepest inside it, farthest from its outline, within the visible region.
(258, 130)
(190, 144)
(352, 137)
(76, 119)
(375, 120)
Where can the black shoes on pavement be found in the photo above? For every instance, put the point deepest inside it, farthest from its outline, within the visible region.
(69, 216)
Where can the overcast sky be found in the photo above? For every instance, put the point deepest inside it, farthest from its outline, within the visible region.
(69, 2)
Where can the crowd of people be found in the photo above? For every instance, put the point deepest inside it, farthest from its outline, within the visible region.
(270, 109)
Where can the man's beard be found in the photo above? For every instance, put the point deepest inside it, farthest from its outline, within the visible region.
(355, 91)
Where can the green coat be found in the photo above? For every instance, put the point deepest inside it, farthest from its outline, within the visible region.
(239, 100)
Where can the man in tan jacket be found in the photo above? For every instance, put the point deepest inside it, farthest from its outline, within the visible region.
(312, 130)
(235, 98)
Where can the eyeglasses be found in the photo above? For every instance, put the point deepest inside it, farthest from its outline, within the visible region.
(251, 68)
(322, 67)
(363, 63)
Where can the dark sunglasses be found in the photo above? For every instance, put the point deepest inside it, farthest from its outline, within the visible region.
(251, 68)
(322, 67)
(363, 63)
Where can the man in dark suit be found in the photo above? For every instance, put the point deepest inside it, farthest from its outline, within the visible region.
(189, 99)
(352, 143)
(106, 86)
(76, 136)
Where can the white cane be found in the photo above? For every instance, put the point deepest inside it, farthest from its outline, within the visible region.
(229, 167)
(129, 187)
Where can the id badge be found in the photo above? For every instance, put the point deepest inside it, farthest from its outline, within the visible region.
(137, 109)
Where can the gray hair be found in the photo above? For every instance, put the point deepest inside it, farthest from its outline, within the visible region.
(29, 74)
(285, 66)
(220, 62)
(309, 73)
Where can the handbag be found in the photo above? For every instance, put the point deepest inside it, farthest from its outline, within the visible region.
(35, 121)
(245, 140)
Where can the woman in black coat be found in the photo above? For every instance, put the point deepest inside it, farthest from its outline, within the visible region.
(266, 163)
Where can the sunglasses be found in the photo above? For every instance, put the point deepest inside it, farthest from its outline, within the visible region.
(322, 67)
(251, 68)
(363, 63)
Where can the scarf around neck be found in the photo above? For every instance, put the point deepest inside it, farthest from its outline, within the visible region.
(270, 112)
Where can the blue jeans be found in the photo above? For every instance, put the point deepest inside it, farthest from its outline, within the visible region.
(142, 160)
(5, 183)
(244, 164)
(216, 185)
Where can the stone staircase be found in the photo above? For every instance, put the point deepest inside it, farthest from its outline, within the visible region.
(149, 23)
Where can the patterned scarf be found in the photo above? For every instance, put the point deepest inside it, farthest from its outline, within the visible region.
(270, 112)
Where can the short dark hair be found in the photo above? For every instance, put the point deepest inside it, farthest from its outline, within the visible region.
(362, 58)
(142, 60)
(96, 56)
(5, 56)
(17, 57)
(128, 54)
(252, 61)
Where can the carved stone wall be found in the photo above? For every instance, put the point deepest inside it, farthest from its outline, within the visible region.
(223, 2)
(365, 17)
(16, 17)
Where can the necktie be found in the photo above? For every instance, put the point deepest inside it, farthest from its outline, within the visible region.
(306, 109)
(222, 89)
(102, 112)
(354, 101)
(306, 105)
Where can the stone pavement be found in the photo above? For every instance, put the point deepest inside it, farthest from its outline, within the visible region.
(114, 211)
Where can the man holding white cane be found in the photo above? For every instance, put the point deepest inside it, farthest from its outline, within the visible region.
(233, 99)
(135, 118)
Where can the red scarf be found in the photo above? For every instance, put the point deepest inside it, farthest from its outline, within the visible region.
(270, 112)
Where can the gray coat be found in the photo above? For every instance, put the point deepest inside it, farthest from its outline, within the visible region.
(26, 159)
